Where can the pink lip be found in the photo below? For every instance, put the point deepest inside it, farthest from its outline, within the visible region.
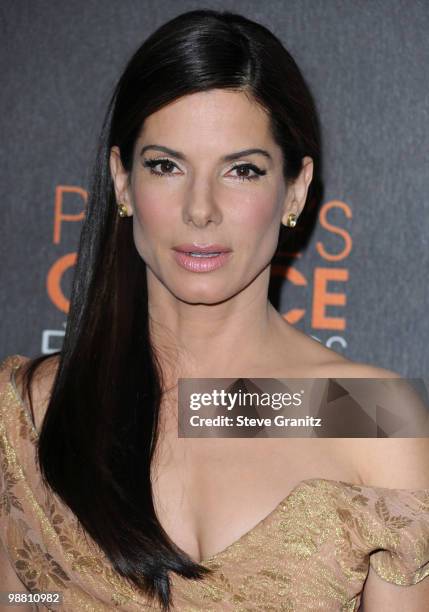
(201, 264)
(201, 248)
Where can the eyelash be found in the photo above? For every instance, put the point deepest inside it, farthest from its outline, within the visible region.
(152, 163)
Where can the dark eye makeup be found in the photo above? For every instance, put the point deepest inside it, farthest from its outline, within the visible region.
(168, 166)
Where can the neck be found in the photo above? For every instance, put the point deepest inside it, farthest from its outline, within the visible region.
(213, 340)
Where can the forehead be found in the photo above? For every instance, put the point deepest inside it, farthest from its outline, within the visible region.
(216, 117)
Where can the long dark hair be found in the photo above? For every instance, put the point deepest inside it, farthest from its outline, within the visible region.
(100, 428)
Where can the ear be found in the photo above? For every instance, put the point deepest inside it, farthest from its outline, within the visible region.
(297, 192)
(120, 179)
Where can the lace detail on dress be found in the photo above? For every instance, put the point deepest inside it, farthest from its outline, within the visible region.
(312, 552)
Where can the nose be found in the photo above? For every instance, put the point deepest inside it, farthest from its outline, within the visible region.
(201, 207)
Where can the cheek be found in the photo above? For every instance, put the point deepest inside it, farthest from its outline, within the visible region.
(151, 220)
(150, 213)
(257, 212)
(248, 213)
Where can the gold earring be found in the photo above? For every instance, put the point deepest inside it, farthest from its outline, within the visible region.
(122, 210)
(291, 220)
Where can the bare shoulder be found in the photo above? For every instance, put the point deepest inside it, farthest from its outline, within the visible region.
(345, 368)
(41, 386)
(312, 358)
(387, 462)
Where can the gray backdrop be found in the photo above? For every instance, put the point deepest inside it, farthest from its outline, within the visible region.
(367, 63)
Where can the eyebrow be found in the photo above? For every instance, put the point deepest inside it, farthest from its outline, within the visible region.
(225, 158)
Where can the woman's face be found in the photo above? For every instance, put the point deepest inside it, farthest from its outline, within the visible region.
(193, 183)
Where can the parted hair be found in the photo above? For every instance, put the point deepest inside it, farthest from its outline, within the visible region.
(100, 428)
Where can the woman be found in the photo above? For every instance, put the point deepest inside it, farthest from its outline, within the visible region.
(209, 145)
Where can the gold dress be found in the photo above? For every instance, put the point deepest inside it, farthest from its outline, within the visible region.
(312, 552)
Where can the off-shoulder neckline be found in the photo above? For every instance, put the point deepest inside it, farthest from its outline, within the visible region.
(20, 400)
(305, 482)
(301, 484)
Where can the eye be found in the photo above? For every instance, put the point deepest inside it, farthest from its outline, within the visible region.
(243, 170)
(165, 164)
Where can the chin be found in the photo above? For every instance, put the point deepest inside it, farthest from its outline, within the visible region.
(207, 295)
